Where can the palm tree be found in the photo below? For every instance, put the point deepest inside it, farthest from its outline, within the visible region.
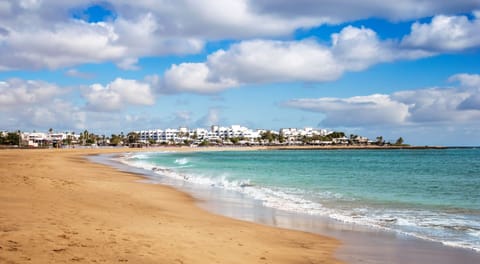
(19, 138)
(132, 137)
(84, 137)
(399, 141)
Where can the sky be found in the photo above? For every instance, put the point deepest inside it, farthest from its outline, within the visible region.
(395, 69)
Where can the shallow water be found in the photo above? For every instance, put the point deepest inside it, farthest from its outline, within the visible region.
(428, 194)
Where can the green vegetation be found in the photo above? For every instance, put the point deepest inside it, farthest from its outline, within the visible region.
(204, 143)
(132, 137)
(115, 140)
(268, 137)
(11, 138)
(400, 142)
(235, 140)
(380, 141)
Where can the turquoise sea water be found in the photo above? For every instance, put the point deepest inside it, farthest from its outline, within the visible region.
(430, 194)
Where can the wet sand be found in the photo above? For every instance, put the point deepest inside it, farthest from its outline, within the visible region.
(57, 207)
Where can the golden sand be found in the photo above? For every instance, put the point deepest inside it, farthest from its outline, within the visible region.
(56, 207)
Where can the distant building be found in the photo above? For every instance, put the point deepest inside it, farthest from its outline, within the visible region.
(235, 134)
(39, 139)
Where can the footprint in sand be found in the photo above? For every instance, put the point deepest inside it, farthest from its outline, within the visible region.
(12, 245)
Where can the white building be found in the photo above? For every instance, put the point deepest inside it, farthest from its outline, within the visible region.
(221, 133)
(198, 135)
(234, 131)
(36, 139)
(294, 135)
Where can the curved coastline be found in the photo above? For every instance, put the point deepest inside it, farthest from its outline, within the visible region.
(361, 244)
(66, 185)
(59, 207)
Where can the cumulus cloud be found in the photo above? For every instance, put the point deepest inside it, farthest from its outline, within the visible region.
(267, 61)
(31, 104)
(470, 103)
(38, 48)
(118, 94)
(468, 80)
(355, 111)
(35, 104)
(193, 77)
(455, 105)
(445, 34)
(78, 74)
(15, 92)
(345, 10)
(435, 104)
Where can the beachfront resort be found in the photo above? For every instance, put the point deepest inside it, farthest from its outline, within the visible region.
(216, 135)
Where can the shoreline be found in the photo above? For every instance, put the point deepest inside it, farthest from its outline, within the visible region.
(355, 237)
(252, 147)
(59, 207)
(372, 147)
(342, 244)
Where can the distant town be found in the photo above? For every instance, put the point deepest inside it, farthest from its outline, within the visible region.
(234, 135)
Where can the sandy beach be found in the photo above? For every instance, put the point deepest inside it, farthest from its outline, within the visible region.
(57, 207)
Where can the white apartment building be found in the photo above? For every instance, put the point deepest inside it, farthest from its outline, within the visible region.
(292, 134)
(167, 135)
(198, 134)
(221, 133)
(35, 139)
(234, 131)
(157, 135)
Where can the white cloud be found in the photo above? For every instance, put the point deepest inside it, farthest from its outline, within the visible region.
(118, 94)
(78, 74)
(445, 34)
(346, 10)
(30, 104)
(458, 105)
(37, 104)
(470, 103)
(358, 48)
(193, 77)
(355, 111)
(67, 44)
(435, 104)
(469, 80)
(260, 61)
(17, 92)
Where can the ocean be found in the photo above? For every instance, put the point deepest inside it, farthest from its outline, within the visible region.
(431, 194)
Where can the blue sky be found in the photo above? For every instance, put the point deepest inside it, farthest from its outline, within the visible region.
(409, 69)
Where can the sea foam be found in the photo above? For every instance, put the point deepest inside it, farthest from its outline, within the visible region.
(449, 229)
